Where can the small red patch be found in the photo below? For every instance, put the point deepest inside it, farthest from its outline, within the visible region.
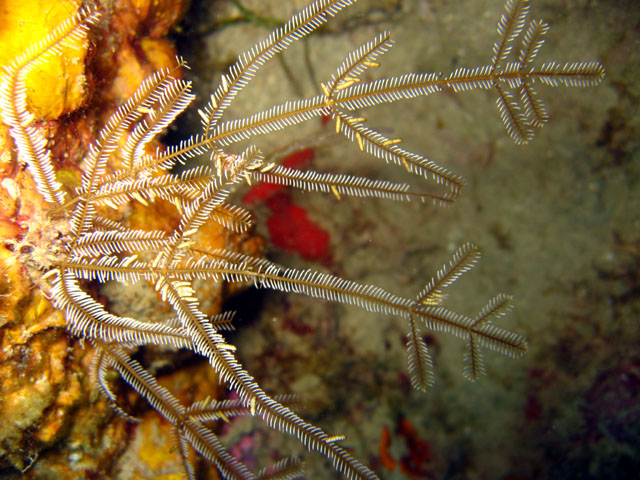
(385, 457)
(291, 229)
(299, 159)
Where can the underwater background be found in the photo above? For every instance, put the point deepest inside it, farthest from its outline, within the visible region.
(556, 221)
